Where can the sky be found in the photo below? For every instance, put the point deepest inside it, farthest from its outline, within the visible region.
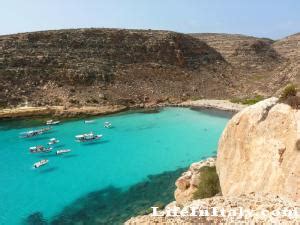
(262, 18)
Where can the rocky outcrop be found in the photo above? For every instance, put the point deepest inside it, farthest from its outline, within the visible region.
(187, 184)
(259, 151)
(258, 167)
(264, 208)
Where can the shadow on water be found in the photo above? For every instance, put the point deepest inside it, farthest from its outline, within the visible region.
(113, 205)
(215, 112)
(37, 138)
(150, 111)
(95, 143)
(69, 155)
(48, 170)
(47, 155)
(59, 146)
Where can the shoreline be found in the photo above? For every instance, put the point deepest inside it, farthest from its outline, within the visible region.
(73, 112)
(59, 111)
(223, 105)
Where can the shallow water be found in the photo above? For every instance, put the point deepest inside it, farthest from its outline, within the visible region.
(139, 145)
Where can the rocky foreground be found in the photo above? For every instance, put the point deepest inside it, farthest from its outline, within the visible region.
(258, 168)
(98, 67)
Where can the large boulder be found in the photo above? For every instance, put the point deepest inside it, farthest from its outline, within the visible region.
(259, 151)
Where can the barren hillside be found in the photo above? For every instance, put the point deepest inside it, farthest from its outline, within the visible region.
(101, 66)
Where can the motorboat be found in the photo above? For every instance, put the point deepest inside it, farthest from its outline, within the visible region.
(34, 133)
(107, 125)
(30, 134)
(39, 148)
(40, 163)
(53, 141)
(88, 137)
(52, 122)
(89, 121)
(63, 151)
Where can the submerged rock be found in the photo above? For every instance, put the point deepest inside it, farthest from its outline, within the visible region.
(36, 218)
(259, 151)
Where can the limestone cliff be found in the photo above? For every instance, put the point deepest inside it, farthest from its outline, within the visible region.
(258, 167)
(259, 151)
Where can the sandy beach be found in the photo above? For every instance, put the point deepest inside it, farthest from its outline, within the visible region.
(224, 105)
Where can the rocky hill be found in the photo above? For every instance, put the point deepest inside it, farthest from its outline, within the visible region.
(83, 67)
(92, 66)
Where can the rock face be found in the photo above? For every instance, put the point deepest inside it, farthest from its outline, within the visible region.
(89, 67)
(261, 65)
(259, 151)
(99, 66)
(188, 182)
(257, 203)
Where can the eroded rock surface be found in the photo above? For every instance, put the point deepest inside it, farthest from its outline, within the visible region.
(188, 182)
(259, 151)
(260, 205)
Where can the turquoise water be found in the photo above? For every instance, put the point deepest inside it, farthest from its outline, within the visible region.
(139, 144)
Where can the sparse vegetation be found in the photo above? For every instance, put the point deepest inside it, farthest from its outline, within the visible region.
(247, 101)
(209, 184)
(289, 91)
(289, 96)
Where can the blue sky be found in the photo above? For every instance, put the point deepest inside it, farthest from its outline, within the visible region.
(264, 18)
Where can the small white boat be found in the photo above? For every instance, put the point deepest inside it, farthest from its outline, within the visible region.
(34, 133)
(107, 125)
(41, 163)
(89, 121)
(53, 141)
(52, 122)
(63, 151)
(88, 137)
(39, 148)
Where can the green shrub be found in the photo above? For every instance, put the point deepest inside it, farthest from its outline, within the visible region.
(289, 96)
(289, 91)
(247, 101)
(209, 184)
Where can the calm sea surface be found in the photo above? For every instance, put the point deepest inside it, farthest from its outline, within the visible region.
(113, 169)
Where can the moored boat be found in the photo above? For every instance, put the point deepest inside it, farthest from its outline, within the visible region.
(89, 121)
(39, 148)
(53, 141)
(34, 133)
(40, 163)
(31, 133)
(52, 122)
(88, 137)
(107, 125)
(63, 151)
